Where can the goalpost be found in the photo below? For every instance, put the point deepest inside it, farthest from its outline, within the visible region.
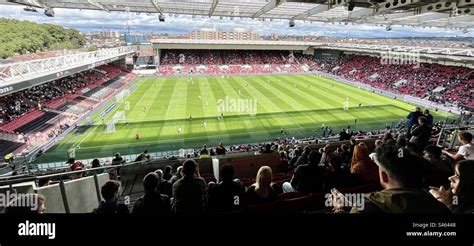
(118, 116)
(122, 95)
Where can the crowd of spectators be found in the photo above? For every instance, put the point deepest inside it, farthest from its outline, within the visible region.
(408, 182)
(412, 176)
(439, 83)
(18, 104)
(455, 84)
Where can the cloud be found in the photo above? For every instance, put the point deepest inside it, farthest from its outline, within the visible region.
(90, 20)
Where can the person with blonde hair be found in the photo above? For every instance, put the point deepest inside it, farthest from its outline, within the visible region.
(261, 191)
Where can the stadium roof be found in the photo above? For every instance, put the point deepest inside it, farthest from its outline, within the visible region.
(450, 14)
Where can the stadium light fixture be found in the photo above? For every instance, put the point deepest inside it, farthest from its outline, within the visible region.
(291, 23)
(30, 9)
(350, 6)
(49, 12)
(161, 18)
(389, 27)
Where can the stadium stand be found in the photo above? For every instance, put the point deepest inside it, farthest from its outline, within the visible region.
(228, 62)
(7, 147)
(455, 83)
(438, 83)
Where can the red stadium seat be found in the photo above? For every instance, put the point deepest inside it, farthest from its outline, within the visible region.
(246, 182)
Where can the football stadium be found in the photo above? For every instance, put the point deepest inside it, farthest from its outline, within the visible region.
(222, 121)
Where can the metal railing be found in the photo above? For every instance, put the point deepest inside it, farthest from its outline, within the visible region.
(13, 72)
(10, 181)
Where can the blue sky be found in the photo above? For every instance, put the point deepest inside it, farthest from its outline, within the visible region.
(88, 20)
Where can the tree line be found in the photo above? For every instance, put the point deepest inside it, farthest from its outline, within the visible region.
(22, 37)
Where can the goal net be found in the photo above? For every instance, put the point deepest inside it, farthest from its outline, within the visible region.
(122, 95)
(118, 116)
(110, 127)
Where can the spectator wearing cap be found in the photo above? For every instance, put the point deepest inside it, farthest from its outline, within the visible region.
(111, 205)
(401, 176)
(189, 192)
(152, 202)
(75, 166)
(466, 151)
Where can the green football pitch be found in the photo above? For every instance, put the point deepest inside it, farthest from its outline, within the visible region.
(159, 110)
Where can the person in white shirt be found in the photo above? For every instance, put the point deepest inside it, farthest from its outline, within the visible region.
(466, 151)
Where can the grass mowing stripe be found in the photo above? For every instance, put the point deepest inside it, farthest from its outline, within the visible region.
(301, 110)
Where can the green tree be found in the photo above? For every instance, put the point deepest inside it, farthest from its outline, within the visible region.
(21, 37)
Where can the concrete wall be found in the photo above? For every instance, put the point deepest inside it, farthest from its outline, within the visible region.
(54, 202)
(81, 195)
(20, 188)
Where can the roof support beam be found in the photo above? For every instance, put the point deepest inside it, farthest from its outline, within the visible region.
(319, 9)
(383, 7)
(157, 6)
(98, 5)
(213, 7)
(269, 6)
(316, 10)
